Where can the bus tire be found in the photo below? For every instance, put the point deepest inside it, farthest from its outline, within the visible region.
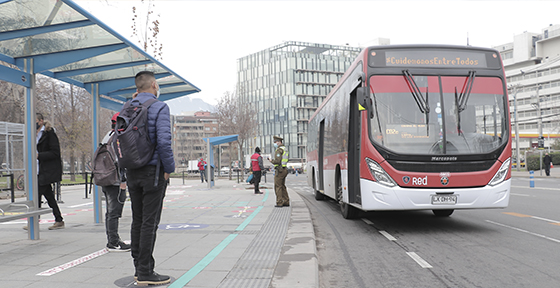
(348, 211)
(443, 213)
(318, 195)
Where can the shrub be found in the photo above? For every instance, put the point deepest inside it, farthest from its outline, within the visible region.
(533, 162)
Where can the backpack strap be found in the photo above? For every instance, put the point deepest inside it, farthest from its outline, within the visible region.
(147, 104)
(150, 102)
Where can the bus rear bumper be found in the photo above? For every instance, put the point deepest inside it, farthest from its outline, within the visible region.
(379, 197)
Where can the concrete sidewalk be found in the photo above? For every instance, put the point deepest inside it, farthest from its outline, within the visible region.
(220, 237)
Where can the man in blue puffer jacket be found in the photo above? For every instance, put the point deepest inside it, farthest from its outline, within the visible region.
(147, 198)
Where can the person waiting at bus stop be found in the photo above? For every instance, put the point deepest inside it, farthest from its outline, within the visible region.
(257, 167)
(115, 197)
(547, 160)
(201, 169)
(49, 167)
(280, 162)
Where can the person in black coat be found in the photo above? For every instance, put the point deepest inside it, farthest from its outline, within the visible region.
(546, 161)
(49, 166)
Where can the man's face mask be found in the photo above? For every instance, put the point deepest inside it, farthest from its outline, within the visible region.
(37, 125)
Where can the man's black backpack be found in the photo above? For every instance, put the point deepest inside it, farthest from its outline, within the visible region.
(134, 147)
(105, 169)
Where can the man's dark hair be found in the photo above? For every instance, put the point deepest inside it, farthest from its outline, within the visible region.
(39, 116)
(143, 79)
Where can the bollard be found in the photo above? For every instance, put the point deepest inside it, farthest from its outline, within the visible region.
(532, 177)
(296, 172)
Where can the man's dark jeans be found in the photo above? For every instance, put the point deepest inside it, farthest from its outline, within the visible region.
(114, 198)
(147, 202)
(48, 192)
(202, 175)
(257, 180)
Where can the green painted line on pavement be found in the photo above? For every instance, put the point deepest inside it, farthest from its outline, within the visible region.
(265, 195)
(187, 277)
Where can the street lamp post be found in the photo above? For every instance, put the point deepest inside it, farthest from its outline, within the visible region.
(518, 164)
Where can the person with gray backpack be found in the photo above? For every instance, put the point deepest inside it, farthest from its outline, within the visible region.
(144, 148)
(112, 180)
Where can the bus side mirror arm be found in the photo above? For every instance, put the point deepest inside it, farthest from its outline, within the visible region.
(364, 100)
(361, 96)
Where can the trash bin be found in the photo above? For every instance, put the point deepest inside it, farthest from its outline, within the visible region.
(211, 172)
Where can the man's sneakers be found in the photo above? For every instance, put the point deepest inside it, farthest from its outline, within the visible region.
(120, 247)
(57, 225)
(154, 279)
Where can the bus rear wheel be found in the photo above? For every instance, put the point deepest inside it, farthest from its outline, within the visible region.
(348, 211)
(443, 213)
(318, 195)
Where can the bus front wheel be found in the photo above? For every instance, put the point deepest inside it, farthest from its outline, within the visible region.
(443, 213)
(348, 211)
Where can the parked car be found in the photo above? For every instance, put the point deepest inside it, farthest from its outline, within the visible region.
(514, 163)
(224, 171)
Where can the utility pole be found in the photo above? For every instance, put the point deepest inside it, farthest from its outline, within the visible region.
(537, 104)
(518, 164)
(539, 113)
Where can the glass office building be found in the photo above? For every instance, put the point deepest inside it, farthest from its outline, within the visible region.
(285, 84)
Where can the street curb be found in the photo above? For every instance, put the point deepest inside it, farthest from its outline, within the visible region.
(298, 264)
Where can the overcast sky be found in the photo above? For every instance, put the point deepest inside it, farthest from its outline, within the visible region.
(203, 39)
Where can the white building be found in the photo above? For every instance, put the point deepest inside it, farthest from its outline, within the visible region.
(532, 65)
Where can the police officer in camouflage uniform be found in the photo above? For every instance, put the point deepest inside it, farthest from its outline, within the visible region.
(280, 162)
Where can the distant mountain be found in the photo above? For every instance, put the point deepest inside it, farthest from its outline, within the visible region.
(187, 104)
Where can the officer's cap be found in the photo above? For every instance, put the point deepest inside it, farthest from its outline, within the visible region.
(277, 138)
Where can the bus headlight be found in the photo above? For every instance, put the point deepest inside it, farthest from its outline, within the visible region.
(501, 174)
(379, 174)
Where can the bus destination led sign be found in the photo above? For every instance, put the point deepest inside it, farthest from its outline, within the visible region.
(435, 61)
(430, 58)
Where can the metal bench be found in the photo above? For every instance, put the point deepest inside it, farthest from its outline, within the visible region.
(19, 210)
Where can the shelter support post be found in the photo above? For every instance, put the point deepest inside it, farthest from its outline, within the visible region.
(30, 157)
(97, 204)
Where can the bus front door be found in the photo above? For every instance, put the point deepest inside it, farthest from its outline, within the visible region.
(354, 127)
(321, 155)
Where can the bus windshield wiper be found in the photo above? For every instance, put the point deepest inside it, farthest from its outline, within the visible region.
(418, 97)
(465, 93)
(462, 99)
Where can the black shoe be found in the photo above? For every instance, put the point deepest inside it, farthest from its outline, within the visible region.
(120, 247)
(259, 192)
(154, 279)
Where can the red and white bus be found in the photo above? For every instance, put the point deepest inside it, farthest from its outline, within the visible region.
(414, 127)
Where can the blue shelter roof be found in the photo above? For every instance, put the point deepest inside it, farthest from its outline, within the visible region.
(221, 139)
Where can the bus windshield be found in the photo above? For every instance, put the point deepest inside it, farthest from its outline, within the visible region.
(438, 115)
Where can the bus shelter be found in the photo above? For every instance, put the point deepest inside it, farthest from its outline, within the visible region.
(211, 142)
(59, 39)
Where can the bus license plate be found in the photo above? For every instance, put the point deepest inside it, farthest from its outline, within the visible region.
(444, 199)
